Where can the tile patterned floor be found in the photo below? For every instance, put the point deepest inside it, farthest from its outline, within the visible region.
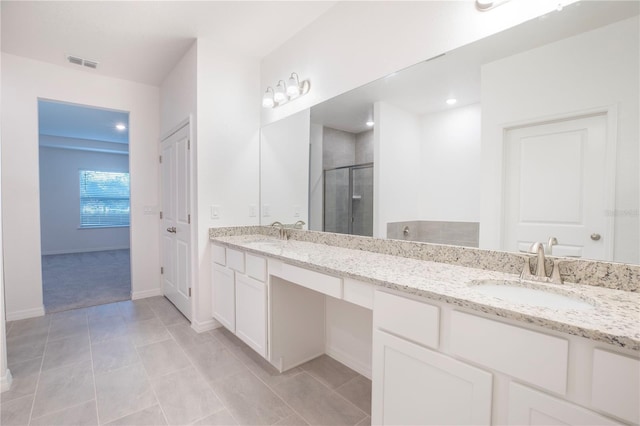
(140, 363)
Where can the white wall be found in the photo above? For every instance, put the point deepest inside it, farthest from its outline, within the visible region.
(396, 175)
(390, 36)
(284, 170)
(178, 94)
(228, 166)
(23, 82)
(178, 103)
(5, 374)
(450, 166)
(60, 201)
(595, 69)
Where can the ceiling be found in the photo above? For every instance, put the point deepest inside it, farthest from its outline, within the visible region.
(81, 122)
(142, 40)
(424, 88)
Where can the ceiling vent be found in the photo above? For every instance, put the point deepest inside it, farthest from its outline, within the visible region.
(80, 61)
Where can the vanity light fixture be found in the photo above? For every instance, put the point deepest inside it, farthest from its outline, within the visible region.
(293, 86)
(280, 94)
(121, 127)
(283, 93)
(483, 5)
(452, 101)
(370, 123)
(267, 98)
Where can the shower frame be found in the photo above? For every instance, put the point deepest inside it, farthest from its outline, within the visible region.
(350, 207)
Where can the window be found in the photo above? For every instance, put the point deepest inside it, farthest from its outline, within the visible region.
(104, 199)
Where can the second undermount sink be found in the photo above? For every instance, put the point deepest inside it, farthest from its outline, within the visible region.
(530, 294)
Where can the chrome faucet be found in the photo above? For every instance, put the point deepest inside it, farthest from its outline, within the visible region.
(541, 272)
(281, 231)
(299, 224)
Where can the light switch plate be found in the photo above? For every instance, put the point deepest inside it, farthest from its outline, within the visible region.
(215, 211)
(253, 210)
(266, 210)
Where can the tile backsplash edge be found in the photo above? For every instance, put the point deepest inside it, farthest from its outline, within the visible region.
(604, 274)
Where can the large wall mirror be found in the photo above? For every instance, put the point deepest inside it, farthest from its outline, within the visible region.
(528, 135)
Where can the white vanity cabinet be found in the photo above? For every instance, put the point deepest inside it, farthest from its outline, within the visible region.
(434, 364)
(239, 295)
(415, 385)
(223, 296)
(251, 313)
(529, 407)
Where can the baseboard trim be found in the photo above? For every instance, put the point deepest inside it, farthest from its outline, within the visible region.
(202, 326)
(135, 295)
(88, 250)
(25, 313)
(5, 380)
(349, 361)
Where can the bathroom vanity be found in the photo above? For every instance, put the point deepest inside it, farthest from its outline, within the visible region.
(439, 347)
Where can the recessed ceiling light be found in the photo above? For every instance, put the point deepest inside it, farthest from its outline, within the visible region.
(121, 127)
(369, 123)
(452, 101)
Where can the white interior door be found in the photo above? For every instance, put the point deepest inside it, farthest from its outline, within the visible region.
(556, 185)
(176, 220)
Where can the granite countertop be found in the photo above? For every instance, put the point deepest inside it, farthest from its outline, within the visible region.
(614, 319)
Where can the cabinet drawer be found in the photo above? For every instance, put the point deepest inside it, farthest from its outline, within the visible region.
(322, 283)
(416, 321)
(534, 357)
(235, 260)
(533, 408)
(256, 267)
(218, 254)
(616, 385)
(358, 293)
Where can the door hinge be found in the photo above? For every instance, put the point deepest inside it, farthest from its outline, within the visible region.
(189, 291)
(160, 159)
(160, 215)
(161, 270)
(188, 143)
(189, 219)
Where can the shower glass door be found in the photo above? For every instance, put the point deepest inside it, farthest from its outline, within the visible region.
(348, 200)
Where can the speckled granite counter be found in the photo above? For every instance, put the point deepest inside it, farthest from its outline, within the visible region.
(614, 319)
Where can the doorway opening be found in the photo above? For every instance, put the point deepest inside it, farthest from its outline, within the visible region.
(84, 205)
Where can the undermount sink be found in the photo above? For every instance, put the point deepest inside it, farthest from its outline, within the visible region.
(530, 294)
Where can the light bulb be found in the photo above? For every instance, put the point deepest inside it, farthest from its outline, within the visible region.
(121, 127)
(451, 101)
(267, 99)
(280, 95)
(369, 123)
(293, 86)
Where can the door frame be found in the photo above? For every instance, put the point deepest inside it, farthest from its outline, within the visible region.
(611, 117)
(194, 213)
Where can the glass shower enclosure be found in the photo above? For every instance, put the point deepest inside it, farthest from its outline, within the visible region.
(348, 200)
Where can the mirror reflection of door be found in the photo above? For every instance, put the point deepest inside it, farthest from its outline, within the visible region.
(557, 185)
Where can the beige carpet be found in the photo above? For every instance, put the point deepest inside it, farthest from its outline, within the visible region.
(78, 280)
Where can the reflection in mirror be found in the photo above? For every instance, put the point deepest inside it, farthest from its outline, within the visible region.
(284, 170)
(541, 142)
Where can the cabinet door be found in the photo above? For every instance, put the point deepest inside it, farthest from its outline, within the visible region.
(224, 296)
(251, 313)
(413, 385)
(531, 407)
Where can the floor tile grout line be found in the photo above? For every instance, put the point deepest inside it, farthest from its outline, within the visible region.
(93, 375)
(155, 394)
(266, 384)
(314, 378)
(335, 391)
(35, 391)
(197, 370)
